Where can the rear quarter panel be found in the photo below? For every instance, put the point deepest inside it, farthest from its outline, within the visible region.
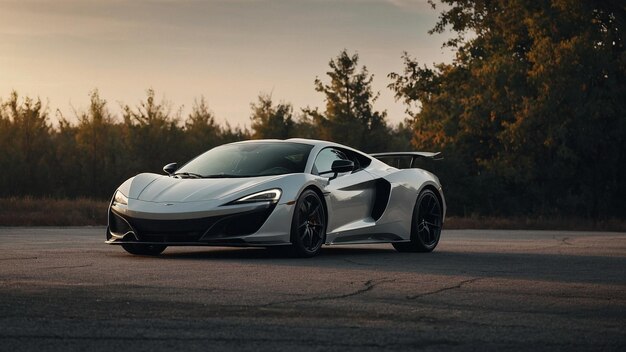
(406, 185)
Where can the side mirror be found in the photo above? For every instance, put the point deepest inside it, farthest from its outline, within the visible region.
(170, 168)
(340, 166)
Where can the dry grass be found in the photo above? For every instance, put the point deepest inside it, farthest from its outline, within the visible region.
(52, 212)
(84, 212)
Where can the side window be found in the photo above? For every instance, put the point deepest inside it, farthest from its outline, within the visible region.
(360, 161)
(325, 159)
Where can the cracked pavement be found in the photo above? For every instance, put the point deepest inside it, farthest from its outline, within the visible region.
(64, 289)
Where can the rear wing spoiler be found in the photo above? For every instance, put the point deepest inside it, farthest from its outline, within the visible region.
(389, 158)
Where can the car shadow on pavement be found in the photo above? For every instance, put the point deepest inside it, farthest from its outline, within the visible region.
(267, 253)
(548, 267)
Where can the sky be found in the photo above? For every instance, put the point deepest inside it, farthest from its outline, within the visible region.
(226, 51)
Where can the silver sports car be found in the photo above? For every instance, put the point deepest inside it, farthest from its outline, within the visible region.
(296, 193)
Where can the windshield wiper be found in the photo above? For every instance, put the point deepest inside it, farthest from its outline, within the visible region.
(188, 175)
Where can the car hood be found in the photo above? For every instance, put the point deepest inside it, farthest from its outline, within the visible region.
(159, 188)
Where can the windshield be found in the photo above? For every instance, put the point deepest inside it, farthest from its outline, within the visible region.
(249, 159)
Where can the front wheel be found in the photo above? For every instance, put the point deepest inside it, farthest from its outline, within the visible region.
(308, 227)
(425, 226)
(143, 249)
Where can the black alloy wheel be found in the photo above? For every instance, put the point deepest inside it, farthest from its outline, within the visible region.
(308, 227)
(426, 224)
(143, 249)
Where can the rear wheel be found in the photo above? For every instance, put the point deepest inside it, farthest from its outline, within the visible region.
(425, 226)
(143, 249)
(308, 227)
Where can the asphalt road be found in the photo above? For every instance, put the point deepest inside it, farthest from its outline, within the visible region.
(64, 289)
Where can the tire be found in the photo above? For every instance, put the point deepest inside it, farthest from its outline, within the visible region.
(425, 224)
(308, 226)
(143, 249)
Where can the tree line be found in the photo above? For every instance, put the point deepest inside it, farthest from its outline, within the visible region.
(530, 117)
(93, 155)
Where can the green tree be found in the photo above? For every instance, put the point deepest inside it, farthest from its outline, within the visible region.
(234, 134)
(269, 121)
(97, 146)
(25, 123)
(201, 130)
(304, 127)
(151, 134)
(7, 157)
(531, 109)
(69, 177)
(349, 116)
(400, 137)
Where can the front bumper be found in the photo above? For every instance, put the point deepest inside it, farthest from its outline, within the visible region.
(251, 225)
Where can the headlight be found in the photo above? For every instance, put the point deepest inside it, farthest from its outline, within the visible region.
(119, 198)
(271, 195)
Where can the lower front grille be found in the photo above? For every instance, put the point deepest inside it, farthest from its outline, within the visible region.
(172, 237)
(191, 226)
(191, 230)
(238, 224)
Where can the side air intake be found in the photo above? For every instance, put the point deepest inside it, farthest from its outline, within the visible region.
(381, 198)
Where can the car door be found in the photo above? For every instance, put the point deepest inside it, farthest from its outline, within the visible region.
(349, 196)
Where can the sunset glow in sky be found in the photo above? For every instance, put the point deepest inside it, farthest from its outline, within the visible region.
(226, 51)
